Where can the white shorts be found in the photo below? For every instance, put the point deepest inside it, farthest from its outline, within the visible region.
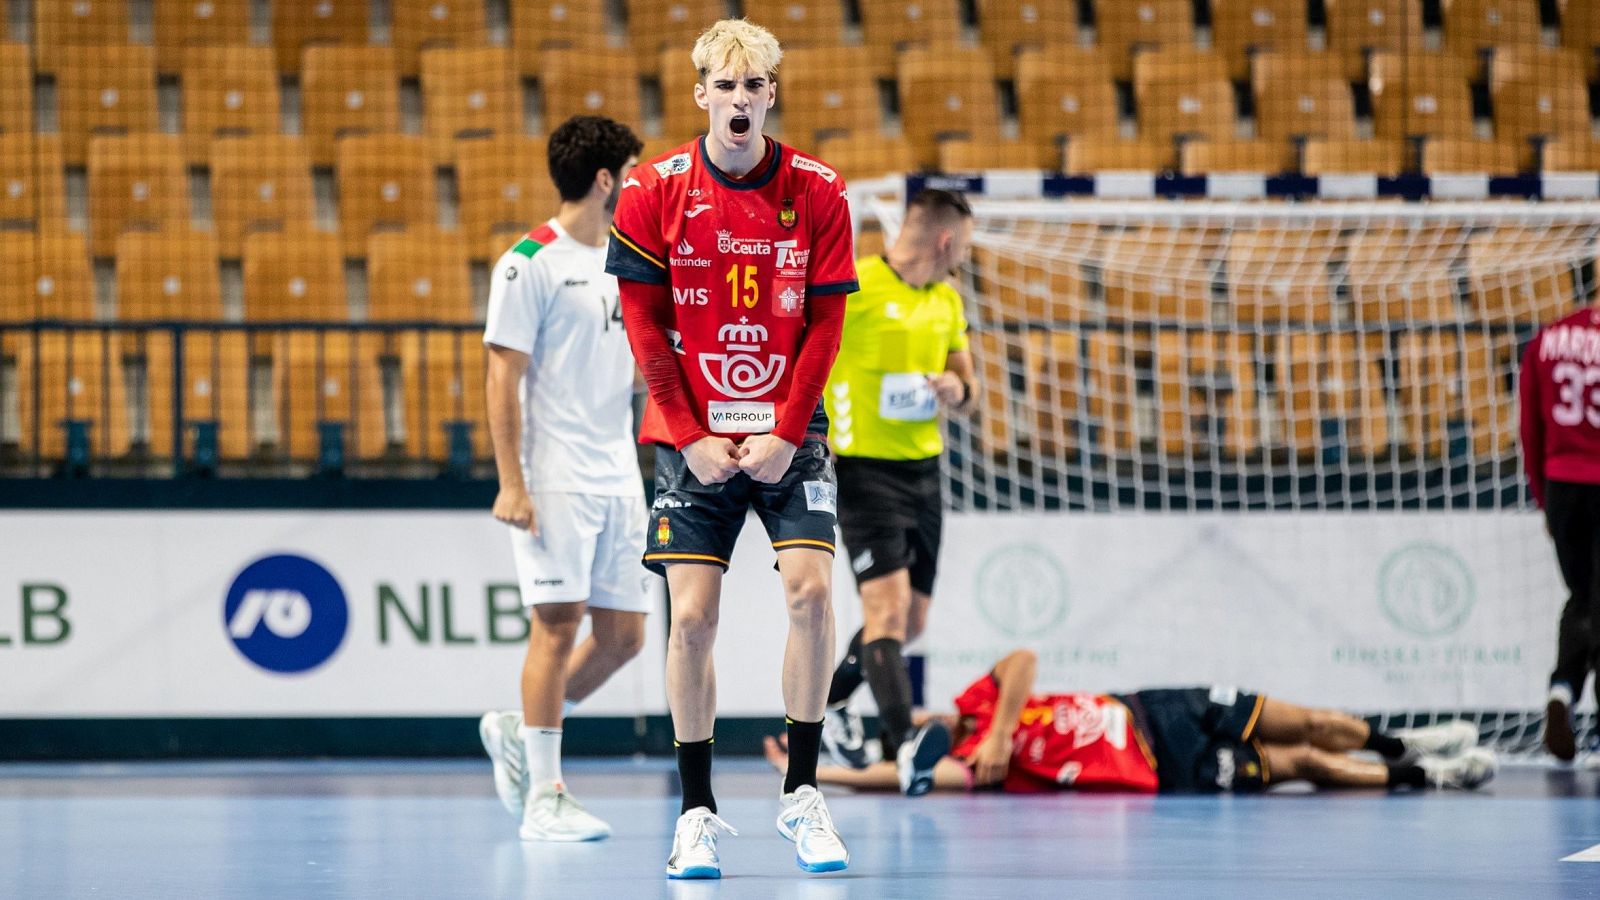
(588, 549)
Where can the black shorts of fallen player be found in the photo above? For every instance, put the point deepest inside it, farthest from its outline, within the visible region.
(697, 523)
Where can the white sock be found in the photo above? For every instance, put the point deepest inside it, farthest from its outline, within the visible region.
(541, 748)
(567, 706)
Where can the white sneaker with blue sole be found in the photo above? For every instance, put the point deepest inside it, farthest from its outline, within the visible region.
(694, 845)
(806, 821)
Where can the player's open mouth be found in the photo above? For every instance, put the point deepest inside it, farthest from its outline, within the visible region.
(739, 124)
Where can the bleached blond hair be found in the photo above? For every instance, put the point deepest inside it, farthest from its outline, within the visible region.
(740, 44)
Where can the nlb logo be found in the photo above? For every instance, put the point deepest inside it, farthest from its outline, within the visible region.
(286, 614)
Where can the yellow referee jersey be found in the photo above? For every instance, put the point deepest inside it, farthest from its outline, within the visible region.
(895, 335)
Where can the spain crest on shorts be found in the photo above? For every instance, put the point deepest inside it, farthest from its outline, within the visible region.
(787, 217)
(663, 532)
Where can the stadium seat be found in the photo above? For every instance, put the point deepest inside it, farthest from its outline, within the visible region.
(1472, 26)
(1513, 281)
(1123, 25)
(1173, 65)
(1065, 92)
(418, 276)
(946, 93)
(330, 376)
(469, 93)
(227, 91)
(347, 91)
(46, 276)
(1267, 157)
(964, 155)
(60, 25)
(540, 25)
(1008, 27)
(822, 90)
(442, 379)
(1269, 67)
(1338, 157)
(891, 26)
(1206, 394)
(1195, 109)
(992, 352)
(1420, 95)
(1019, 287)
(504, 186)
(1281, 276)
(79, 378)
(1537, 91)
(1356, 28)
(294, 276)
(420, 25)
(1580, 32)
(167, 275)
(589, 83)
(385, 182)
(104, 90)
(683, 120)
(183, 24)
(1571, 154)
(297, 27)
(1109, 379)
(1332, 382)
(655, 25)
(135, 181)
(216, 388)
(1488, 397)
(1535, 65)
(1052, 369)
(259, 184)
(32, 193)
(16, 89)
(1159, 275)
(1442, 156)
(859, 157)
(1242, 27)
(1086, 156)
(1304, 107)
(1400, 278)
(1428, 390)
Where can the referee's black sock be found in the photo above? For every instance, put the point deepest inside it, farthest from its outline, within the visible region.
(1407, 777)
(885, 668)
(694, 772)
(1385, 745)
(805, 743)
(847, 677)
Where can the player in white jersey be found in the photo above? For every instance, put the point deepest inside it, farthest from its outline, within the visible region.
(560, 398)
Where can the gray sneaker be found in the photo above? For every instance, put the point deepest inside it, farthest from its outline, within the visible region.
(499, 733)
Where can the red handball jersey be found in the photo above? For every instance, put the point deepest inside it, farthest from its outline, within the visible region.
(1560, 399)
(746, 260)
(1084, 742)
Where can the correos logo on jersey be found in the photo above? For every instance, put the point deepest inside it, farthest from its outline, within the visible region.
(286, 614)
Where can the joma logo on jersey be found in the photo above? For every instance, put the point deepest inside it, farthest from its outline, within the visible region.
(691, 296)
(727, 243)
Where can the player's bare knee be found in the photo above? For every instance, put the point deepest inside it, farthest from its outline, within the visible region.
(693, 630)
(622, 641)
(809, 599)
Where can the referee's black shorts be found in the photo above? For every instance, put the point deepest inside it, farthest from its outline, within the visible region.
(891, 516)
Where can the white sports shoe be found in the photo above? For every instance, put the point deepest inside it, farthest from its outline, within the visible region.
(552, 815)
(805, 820)
(1471, 770)
(1446, 739)
(694, 845)
(498, 730)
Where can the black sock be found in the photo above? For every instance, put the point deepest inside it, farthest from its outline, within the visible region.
(847, 677)
(1384, 745)
(694, 772)
(805, 742)
(1407, 777)
(885, 669)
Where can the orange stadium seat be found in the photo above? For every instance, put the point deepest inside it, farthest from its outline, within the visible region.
(1580, 31)
(182, 24)
(655, 25)
(1572, 154)
(682, 119)
(1025, 288)
(333, 377)
(1442, 156)
(964, 155)
(104, 90)
(1358, 27)
(294, 276)
(80, 378)
(1488, 398)
(46, 276)
(806, 23)
(347, 91)
(386, 182)
(1428, 395)
(135, 182)
(992, 358)
(1338, 157)
(1242, 27)
(297, 27)
(1311, 107)
(589, 83)
(216, 388)
(1065, 92)
(1271, 66)
(1420, 95)
(889, 26)
(1337, 378)
(822, 90)
(420, 276)
(1199, 109)
(1268, 157)
(469, 93)
(540, 25)
(227, 91)
(16, 89)
(1181, 64)
(1277, 276)
(1123, 25)
(168, 275)
(259, 184)
(32, 192)
(62, 24)
(505, 186)
(1110, 377)
(946, 93)
(1090, 155)
(1052, 368)
(1400, 278)
(859, 157)
(1206, 393)
(442, 377)
(1472, 26)
(1159, 275)
(1537, 91)
(1537, 65)
(1008, 27)
(420, 25)
(1506, 288)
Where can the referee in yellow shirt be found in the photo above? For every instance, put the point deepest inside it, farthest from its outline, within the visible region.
(903, 358)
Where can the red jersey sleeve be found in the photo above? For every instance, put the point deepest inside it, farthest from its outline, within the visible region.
(637, 251)
(1531, 410)
(833, 254)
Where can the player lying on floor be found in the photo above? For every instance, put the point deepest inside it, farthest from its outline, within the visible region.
(1184, 740)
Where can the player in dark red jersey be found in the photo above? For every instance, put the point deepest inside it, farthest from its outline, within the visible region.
(1180, 740)
(1560, 399)
(734, 257)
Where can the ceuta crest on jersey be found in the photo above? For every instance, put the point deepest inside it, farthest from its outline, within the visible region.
(787, 217)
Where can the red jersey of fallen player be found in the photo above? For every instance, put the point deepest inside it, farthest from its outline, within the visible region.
(1085, 742)
(1560, 398)
(758, 268)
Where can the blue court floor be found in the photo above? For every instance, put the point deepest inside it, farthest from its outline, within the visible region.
(434, 829)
